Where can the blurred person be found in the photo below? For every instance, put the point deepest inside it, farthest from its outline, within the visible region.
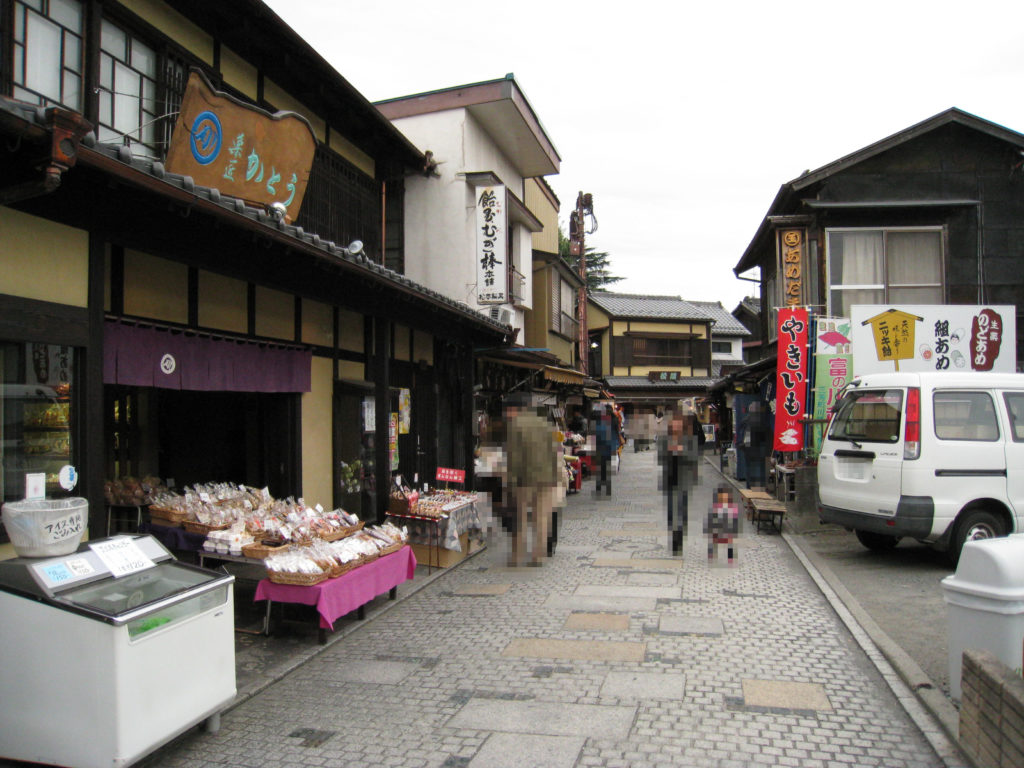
(679, 456)
(606, 440)
(534, 477)
(722, 524)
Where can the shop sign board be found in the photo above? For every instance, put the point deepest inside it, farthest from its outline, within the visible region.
(791, 379)
(792, 243)
(241, 150)
(833, 367)
(491, 248)
(393, 440)
(933, 337)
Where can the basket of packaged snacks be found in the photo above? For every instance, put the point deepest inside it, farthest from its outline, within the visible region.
(172, 518)
(296, 578)
(299, 566)
(194, 526)
(259, 550)
(388, 538)
(339, 533)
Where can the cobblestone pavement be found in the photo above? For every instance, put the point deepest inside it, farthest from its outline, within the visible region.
(612, 653)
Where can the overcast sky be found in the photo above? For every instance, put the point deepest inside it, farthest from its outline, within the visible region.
(683, 119)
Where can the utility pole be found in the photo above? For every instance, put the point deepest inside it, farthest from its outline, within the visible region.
(577, 248)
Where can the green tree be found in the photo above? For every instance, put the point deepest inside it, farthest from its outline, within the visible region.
(598, 264)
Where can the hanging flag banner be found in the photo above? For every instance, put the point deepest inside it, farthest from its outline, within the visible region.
(833, 368)
(491, 251)
(791, 379)
(241, 150)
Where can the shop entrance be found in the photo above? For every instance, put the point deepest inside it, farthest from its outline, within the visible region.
(197, 437)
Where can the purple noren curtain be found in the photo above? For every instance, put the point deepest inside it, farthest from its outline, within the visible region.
(170, 359)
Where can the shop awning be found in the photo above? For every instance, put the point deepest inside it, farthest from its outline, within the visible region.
(550, 372)
(146, 356)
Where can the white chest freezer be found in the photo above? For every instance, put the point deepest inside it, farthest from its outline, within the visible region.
(100, 670)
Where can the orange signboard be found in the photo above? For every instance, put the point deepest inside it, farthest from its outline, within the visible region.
(791, 249)
(240, 149)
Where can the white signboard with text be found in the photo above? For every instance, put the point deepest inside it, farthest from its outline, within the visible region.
(491, 246)
(926, 337)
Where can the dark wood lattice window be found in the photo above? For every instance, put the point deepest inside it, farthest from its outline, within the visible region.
(342, 203)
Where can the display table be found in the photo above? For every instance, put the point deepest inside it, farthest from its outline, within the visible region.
(443, 531)
(336, 597)
(174, 538)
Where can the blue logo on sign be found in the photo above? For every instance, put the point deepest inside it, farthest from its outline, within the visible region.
(206, 137)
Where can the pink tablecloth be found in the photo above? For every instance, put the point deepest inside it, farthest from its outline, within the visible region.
(336, 597)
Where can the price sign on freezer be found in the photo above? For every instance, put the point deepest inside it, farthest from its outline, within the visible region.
(121, 556)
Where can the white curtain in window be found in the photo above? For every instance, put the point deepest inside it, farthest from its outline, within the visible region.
(42, 51)
(861, 258)
(914, 258)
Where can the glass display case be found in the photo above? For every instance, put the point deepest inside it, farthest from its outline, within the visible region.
(37, 427)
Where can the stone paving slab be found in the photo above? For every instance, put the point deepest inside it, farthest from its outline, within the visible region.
(609, 604)
(628, 591)
(605, 622)
(644, 685)
(519, 750)
(590, 720)
(690, 625)
(576, 650)
(639, 563)
(481, 590)
(785, 695)
(375, 672)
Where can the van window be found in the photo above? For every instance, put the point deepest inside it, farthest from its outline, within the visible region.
(1015, 409)
(964, 416)
(869, 416)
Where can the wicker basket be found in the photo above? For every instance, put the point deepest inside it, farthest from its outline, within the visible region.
(172, 518)
(297, 579)
(390, 549)
(341, 533)
(259, 550)
(192, 526)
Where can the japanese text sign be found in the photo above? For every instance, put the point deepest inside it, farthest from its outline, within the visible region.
(240, 149)
(447, 475)
(491, 246)
(791, 258)
(791, 379)
(933, 337)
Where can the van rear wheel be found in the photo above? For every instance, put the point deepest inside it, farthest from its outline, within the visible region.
(877, 541)
(974, 525)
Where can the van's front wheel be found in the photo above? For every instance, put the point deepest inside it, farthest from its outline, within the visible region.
(877, 541)
(975, 524)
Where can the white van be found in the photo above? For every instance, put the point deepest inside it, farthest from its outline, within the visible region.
(936, 456)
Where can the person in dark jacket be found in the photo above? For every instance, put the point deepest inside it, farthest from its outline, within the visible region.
(606, 440)
(679, 456)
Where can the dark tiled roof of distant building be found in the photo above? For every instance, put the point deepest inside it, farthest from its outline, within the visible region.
(725, 323)
(642, 382)
(641, 306)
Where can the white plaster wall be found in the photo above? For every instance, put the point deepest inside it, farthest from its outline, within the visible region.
(735, 352)
(440, 212)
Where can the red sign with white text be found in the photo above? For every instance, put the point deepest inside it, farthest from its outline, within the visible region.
(446, 475)
(791, 380)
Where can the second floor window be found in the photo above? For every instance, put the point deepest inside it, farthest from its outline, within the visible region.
(883, 266)
(48, 52)
(128, 92)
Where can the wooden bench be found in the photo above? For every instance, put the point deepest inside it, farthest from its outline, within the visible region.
(768, 511)
(749, 495)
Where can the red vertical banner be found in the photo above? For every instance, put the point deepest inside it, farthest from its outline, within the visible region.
(791, 379)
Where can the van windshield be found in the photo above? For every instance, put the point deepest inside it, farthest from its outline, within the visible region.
(868, 416)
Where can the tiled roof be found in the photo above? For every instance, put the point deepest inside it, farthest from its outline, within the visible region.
(725, 323)
(639, 306)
